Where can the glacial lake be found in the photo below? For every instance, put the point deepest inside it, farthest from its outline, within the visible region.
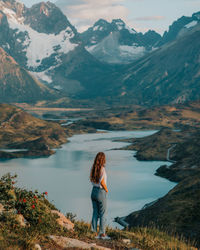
(65, 175)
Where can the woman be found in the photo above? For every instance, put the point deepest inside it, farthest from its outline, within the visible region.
(98, 179)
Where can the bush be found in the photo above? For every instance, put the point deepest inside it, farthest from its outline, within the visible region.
(35, 208)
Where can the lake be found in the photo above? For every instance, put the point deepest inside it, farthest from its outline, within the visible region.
(65, 175)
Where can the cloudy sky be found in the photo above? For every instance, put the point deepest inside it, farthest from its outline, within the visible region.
(141, 15)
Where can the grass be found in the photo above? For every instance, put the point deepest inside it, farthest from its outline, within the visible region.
(41, 224)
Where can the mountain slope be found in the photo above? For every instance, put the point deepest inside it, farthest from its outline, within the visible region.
(17, 85)
(169, 75)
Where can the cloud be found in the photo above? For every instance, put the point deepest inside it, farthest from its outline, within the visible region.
(83, 13)
(149, 18)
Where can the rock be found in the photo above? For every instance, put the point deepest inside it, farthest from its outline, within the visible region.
(38, 247)
(1, 208)
(65, 242)
(63, 221)
(20, 219)
(126, 241)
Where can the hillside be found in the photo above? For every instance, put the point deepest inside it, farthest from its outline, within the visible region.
(168, 75)
(23, 132)
(135, 117)
(178, 211)
(17, 85)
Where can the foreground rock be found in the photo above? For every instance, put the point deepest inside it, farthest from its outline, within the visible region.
(20, 219)
(1, 208)
(63, 221)
(65, 242)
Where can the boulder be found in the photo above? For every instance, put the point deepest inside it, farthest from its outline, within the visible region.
(65, 242)
(38, 247)
(63, 221)
(20, 219)
(1, 208)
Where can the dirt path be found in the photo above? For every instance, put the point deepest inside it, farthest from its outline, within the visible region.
(168, 154)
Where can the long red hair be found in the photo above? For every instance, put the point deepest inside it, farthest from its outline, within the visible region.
(99, 162)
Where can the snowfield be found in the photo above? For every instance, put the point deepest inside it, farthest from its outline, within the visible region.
(39, 46)
(191, 24)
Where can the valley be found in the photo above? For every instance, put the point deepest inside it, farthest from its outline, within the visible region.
(178, 125)
(64, 94)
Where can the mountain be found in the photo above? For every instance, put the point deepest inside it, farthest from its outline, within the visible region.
(42, 40)
(171, 74)
(180, 27)
(37, 37)
(17, 85)
(115, 42)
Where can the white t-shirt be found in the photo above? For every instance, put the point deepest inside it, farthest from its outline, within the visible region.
(103, 176)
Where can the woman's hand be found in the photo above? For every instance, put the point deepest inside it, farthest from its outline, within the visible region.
(103, 184)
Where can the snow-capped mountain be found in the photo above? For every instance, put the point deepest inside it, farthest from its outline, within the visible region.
(36, 37)
(115, 42)
(180, 27)
(42, 40)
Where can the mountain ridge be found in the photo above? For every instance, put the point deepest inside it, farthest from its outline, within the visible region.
(127, 46)
(59, 59)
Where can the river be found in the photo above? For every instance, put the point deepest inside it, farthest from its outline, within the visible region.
(65, 175)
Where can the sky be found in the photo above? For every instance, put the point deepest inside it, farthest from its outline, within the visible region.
(141, 15)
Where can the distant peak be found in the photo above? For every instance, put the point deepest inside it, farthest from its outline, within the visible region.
(101, 22)
(48, 5)
(118, 21)
(196, 15)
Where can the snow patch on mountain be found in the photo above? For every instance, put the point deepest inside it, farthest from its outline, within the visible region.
(58, 87)
(91, 48)
(42, 76)
(191, 24)
(120, 24)
(12, 16)
(98, 27)
(132, 51)
(131, 31)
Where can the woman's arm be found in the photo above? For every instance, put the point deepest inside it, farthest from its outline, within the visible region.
(103, 184)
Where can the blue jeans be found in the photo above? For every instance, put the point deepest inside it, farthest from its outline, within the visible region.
(99, 203)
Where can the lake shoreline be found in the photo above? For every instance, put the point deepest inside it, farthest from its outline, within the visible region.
(68, 155)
